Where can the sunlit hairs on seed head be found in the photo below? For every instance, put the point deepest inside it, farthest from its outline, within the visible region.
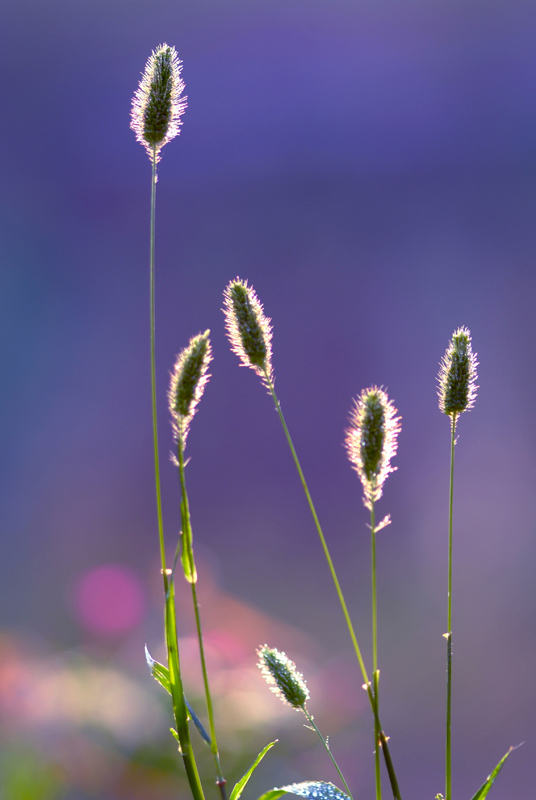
(371, 440)
(282, 677)
(188, 381)
(248, 329)
(157, 105)
(457, 375)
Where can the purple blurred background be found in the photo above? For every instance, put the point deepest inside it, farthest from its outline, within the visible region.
(371, 169)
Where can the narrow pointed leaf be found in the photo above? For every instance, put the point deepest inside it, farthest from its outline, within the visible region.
(240, 786)
(312, 790)
(197, 722)
(161, 674)
(187, 554)
(158, 671)
(484, 789)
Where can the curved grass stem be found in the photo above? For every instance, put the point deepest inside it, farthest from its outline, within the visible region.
(367, 684)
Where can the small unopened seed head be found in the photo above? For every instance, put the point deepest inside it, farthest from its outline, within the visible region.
(372, 440)
(157, 105)
(188, 381)
(457, 375)
(248, 329)
(282, 677)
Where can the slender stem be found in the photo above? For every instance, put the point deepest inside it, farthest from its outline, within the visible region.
(367, 684)
(311, 721)
(179, 708)
(153, 379)
(191, 571)
(375, 671)
(448, 749)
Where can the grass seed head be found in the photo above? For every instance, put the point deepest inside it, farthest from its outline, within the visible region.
(188, 381)
(372, 440)
(457, 375)
(248, 329)
(282, 676)
(157, 105)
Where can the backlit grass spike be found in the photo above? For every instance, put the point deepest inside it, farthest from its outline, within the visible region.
(457, 375)
(188, 381)
(282, 676)
(371, 440)
(248, 329)
(157, 105)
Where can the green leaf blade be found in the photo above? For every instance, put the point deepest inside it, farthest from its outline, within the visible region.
(240, 786)
(159, 672)
(484, 789)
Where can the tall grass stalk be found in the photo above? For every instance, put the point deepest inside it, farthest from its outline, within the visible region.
(457, 393)
(156, 110)
(371, 443)
(250, 333)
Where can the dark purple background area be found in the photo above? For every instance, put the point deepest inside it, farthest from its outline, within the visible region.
(370, 167)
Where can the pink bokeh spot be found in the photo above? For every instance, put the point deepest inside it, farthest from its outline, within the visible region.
(109, 600)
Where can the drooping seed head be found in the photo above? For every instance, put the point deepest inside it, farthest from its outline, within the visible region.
(372, 440)
(282, 677)
(457, 375)
(188, 381)
(248, 329)
(157, 105)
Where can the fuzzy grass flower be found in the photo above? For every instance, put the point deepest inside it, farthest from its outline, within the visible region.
(188, 381)
(248, 329)
(284, 680)
(157, 105)
(457, 375)
(371, 440)
(282, 676)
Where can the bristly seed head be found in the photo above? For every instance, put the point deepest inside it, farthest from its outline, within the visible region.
(371, 440)
(457, 375)
(157, 105)
(248, 329)
(188, 381)
(282, 676)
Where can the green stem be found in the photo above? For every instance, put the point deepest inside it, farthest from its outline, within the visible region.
(153, 380)
(375, 671)
(311, 721)
(448, 748)
(367, 686)
(191, 576)
(179, 708)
